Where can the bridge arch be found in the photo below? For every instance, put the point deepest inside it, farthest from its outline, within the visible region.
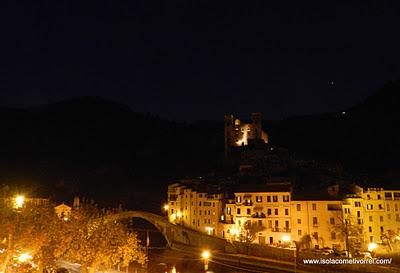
(175, 234)
(162, 224)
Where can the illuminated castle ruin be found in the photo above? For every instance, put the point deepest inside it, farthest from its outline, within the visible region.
(239, 134)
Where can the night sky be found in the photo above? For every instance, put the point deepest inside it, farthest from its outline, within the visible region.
(192, 60)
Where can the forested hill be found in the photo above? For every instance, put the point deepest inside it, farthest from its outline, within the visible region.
(104, 149)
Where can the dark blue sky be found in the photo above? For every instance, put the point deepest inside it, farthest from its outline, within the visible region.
(190, 60)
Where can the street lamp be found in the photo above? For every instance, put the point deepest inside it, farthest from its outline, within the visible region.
(166, 207)
(206, 256)
(24, 257)
(286, 238)
(372, 247)
(19, 201)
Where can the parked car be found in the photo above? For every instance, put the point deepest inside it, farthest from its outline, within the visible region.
(364, 254)
(327, 251)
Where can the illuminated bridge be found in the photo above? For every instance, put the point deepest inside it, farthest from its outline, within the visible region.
(175, 234)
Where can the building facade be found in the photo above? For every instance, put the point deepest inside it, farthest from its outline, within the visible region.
(195, 209)
(273, 215)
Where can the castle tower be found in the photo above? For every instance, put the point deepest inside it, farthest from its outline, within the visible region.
(256, 119)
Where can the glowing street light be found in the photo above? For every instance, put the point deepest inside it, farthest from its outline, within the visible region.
(206, 256)
(286, 238)
(24, 257)
(372, 247)
(19, 201)
(166, 207)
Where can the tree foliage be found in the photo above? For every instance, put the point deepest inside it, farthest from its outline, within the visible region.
(29, 230)
(97, 242)
(90, 236)
(249, 232)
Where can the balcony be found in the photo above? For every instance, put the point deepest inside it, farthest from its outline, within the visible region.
(248, 203)
(277, 229)
(259, 215)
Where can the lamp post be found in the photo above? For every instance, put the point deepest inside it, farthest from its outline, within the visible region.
(206, 256)
(296, 252)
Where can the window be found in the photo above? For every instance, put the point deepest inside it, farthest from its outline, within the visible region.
(346, 210)
(388, 195)
(199, 212)
(276, 211)
(357, 204)
(238, 211)
(269, 199)
(381, 218)
(269, 223)
(299, 232)
(208, 212)
(258, 199)
(172, 211)
(382, 230)
(298, 206)
(260, 223)
(371, 238)
(370, 229)
(380, 206)
(208, 220)
(200, 195)
(228, 211)
(286, 211)
(387, 207)
(379, 197)
(314, 206)
(205, 212)
(276, 223)
(370, 218)
(198, 223)
(389, 216)
(397, 217)
(333, 235)
(396, 207)
(370, 206)
(200, 204)
(269, 212)
(332, 220)
(368, 196)
(194, 212)
(359, 221)
(286, 198)
(205, 221)
(238, 199)
(315, 221)
(248, 211)
(299, 221)
(358, 213)
(275, 198)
